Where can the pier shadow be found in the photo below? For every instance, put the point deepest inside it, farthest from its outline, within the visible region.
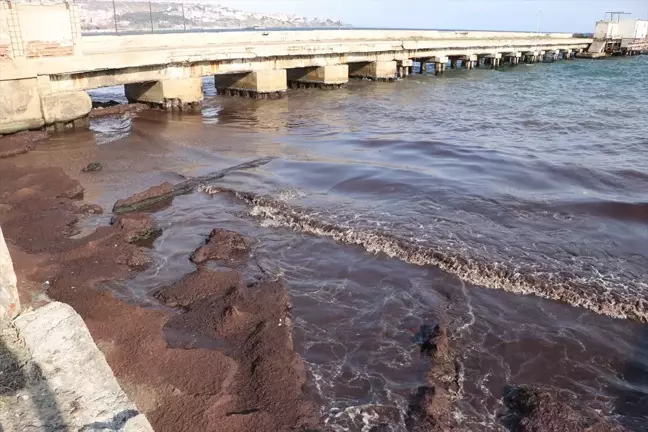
(22, 385)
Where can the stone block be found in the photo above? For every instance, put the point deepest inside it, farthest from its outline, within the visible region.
(66, 106)
(82, 392)
(9, 301)
(20, 106)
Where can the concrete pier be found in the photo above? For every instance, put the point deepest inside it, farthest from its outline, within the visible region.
(324, 77)
(171, 95)
(375, 71)
(269, 84)
(43, 84)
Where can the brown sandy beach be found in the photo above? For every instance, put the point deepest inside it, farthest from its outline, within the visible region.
(255, 382)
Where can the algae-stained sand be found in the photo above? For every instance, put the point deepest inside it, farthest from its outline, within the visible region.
(255, 383)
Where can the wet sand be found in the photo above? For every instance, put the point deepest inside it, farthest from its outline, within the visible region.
(164, 355)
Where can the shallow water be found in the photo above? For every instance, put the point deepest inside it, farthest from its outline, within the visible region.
(392, 205)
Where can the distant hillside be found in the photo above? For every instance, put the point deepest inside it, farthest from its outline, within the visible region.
(98, 16)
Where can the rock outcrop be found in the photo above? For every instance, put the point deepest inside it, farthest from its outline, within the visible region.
(544, 409)
(431, 408)
(222, 245)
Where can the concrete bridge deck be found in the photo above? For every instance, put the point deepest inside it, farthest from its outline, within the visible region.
(44, 72)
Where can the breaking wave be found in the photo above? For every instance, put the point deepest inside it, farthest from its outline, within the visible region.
(593, 293)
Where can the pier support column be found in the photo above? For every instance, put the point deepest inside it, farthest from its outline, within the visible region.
(453, 63)
(375, 71)
(183, 94)
(324, 77)
(30, 103)
(440, 63)
(469, 61)
(404, 67)
(267, 84)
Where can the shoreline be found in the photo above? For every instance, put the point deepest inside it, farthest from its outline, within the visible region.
(179, 382)
(258, 386)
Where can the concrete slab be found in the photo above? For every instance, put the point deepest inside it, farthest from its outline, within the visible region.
(9, 301)
(65, 382)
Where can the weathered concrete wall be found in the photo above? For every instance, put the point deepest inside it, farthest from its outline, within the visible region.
(9, 301)
(80, 392)
(20, 105)
(46, 30)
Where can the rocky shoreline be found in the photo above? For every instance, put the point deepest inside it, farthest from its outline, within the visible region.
(255, 383)
(211, 351)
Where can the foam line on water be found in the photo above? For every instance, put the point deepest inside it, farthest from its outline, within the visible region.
(592, 293)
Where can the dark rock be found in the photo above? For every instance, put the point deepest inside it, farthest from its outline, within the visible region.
(151, 195)
(93, 166)
(430, 409)
(544, 409)
(222, 245)
(136, 226)
(110, 103)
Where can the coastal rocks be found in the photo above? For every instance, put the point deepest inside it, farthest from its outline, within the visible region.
(9, 301)
(136, 227)
(252, 326)
(431, 408)
(222, 245)
(152, 195)
(71, 386)
(92, 167)
(543, 409)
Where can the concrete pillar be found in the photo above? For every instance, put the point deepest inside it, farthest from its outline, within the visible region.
(30, 104)
(9, 301)
(183, 94)
(469, 61)
(453, 63)
(375, 71)
(404, 67)
(21, 106)
(325, 77)
(267, 84)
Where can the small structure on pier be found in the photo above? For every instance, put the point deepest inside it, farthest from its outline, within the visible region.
(614, 36)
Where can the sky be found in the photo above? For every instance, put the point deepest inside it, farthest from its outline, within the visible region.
(522, 15)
